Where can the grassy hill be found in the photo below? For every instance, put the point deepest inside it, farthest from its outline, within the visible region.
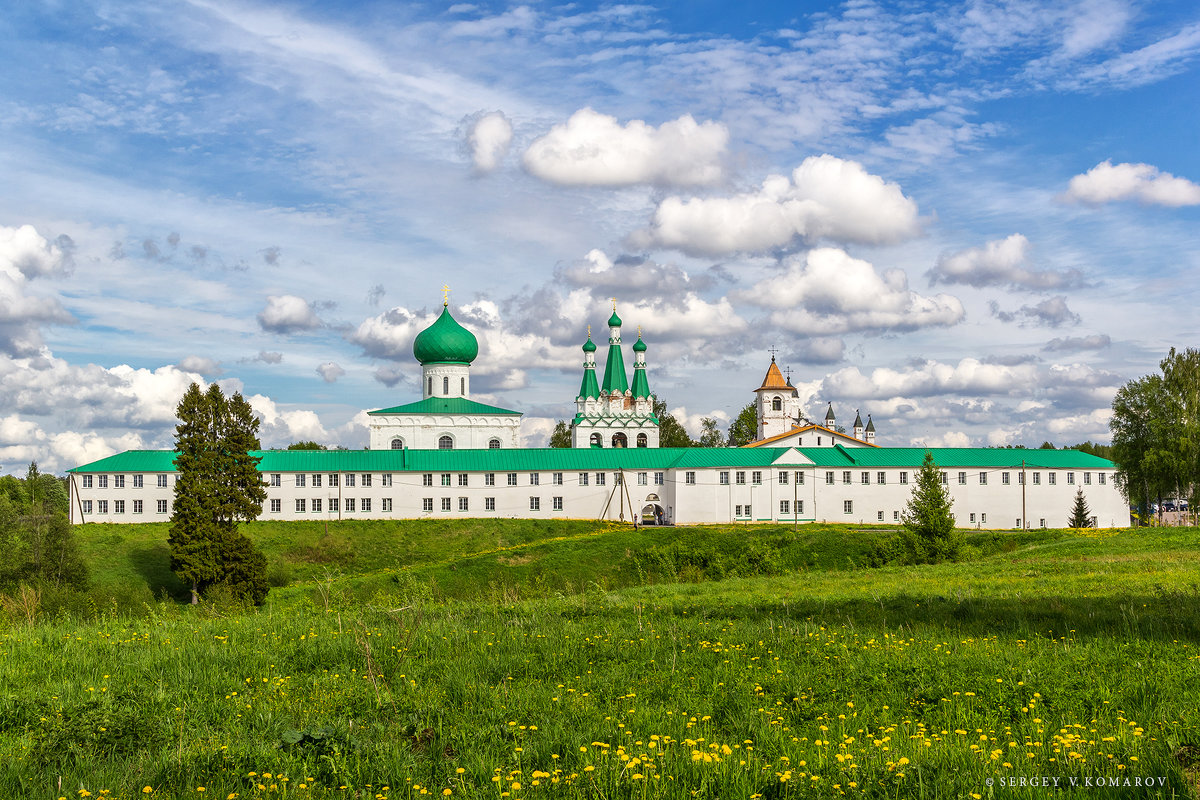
(520, 659)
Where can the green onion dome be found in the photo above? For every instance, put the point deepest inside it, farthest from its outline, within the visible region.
(614, 321)
(445, 342)
(589, 346)
(639, 346)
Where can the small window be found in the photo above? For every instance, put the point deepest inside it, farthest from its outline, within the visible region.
(1005, 478)
(137, 506)
(427, 504)
(350, 505)
(1051, 478)
(1042, 522)
(737, 511)
(350, 479)
(429, 392)
(162, 481)
(557, 479)
(557, 504)
(489, 504)
(316, 506)
(1037, 478)
(87, 506)
(446, 386)
(87, 481)
(137, 481)
(300, 506)
(749, 513)
(689, 478)
(864, 478)
(387, 504)
(535, 479)
(659, 478)
(446, 443)
(118, 481)
(316, 481)
(276, 505)
(489, 479)
(880, 518)
(829, 478)
(101, 481)
(972, 517)
(785, 507)
(799, 507)
(445, 479)
(983, 517)
(333, 479)
(101, 506)
(300, 480)
(945, 479)
(1087, 479)
(118, 506)
(276, 479)
(161, 506)
(895, 516)
(600, 479)
(366, 480)
(1100, 478)
(1071, 478)
(385, 480)
(983, 479)
(847, 506)
(740, 477)
(397, 444)
(799, 478)
(333, 505)
(464, 504)
(1018, 523)
(462, 479)
(583, 479)
(365, 502)
(846, 477)
(493, 444)
(783, 479)
(643, 478)
(724, 480)
(535, 504)
(512, 479)
(904, 477)
(881, 478)
(777, 404)
(462, 387)
(445, 504)
(962, 479)
(1020, 478)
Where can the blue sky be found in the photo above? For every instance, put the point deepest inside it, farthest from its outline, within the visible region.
(972, 221)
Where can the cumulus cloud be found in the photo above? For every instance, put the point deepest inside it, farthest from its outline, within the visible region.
(1052, 313)
(970, 376)
(279, 428)
(389, 376)
(201, 365)
(1107, 182)
(330, 372)
(287, 313)
(1097, 341)
(944, 439)
(602, 275)
(594, 149)
(24, 256)
(1001, 262)
(269, 356)
(827, 292)
(825, 198)
(488, 138)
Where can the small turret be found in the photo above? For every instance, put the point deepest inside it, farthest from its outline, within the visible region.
(829, 418)
(870, 430)
(858, 425)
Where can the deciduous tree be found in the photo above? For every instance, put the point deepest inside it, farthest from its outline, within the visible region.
(744, 428)
(561, 436)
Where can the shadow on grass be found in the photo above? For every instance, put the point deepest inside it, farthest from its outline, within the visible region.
(1164, 616)
(153, 564)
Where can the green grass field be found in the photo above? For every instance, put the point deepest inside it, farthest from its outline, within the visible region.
(516, 659)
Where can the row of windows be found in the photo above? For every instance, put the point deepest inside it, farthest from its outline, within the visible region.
(1005, 478)
(619, 440)
(444, 443)
(119, 506)
(118, 481)
(489, 503)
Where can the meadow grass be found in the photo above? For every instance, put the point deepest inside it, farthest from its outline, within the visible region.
(800, 672)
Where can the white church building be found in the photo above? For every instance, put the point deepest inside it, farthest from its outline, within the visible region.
(447, 455)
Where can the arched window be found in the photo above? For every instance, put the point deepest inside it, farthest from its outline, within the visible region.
(430, 392)
(462, 386)
(642, 441)
(776, 404)
(397, 443)
(493, 444)
(446, 443)
(619, 440)
(445, 386)
(596, 440)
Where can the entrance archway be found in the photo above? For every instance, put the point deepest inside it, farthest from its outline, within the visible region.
(653, 514)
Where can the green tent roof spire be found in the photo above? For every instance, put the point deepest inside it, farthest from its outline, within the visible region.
(615, 379)
(589, 388)
(641, 386)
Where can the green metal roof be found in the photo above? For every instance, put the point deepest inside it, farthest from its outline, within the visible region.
(444, 405)
(548, 459)
(949, 457)
(445, 341)
(615, 379)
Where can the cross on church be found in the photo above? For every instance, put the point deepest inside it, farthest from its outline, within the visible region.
(445, 294)
(788, 373)
(772, 350)
(614, 302)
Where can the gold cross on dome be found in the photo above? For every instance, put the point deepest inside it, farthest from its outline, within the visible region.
(639, 331)
(614, 302)
(589, 331)
(445, 294)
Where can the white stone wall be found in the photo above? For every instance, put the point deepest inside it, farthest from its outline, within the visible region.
(422, 432)
(700, 498)
(445, 380)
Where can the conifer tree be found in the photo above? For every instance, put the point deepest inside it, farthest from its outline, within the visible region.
(1081, 515)
(928, 534)
(218, 487)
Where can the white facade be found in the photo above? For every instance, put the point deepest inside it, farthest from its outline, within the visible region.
(783, 486)
(427, 431)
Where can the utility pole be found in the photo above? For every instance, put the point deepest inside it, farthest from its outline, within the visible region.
(1024, 521)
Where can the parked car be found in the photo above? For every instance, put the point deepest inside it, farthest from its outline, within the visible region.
(1169, 506)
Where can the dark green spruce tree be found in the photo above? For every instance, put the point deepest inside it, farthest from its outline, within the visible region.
(1081, 515)
(929, 534)
(218, 487)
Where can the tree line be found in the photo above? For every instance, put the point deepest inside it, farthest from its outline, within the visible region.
(37, 542)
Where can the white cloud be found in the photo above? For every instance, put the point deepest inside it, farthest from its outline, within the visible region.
(201, 365)
(488, 138)
(825, 198)
(287, 313)
(1097, 341)
(594, 149)
(330, 372)
(25, 255)
(1107, 182)
(1151, 63)
(970, 376)
(1001, 262)
(281, 428)
(944, 439)
(828, 292)
(1052, 312)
